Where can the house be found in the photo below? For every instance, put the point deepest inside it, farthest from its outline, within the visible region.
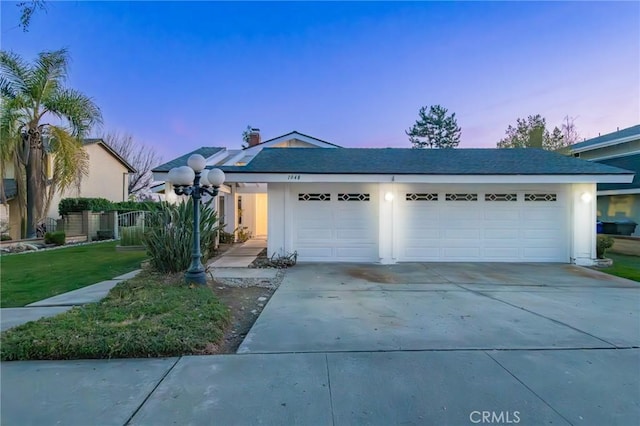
(616, 201)
(108, 178)
(329, 203)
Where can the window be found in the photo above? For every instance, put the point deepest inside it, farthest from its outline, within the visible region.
(501, 197)
(353, 197)
(422, 197)
(461, 197)
(540, 197)
(314, 197)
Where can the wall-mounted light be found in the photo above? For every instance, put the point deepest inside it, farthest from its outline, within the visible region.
(586, 197)
(388, 196)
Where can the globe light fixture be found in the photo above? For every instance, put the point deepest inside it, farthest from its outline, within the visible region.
(194, 180)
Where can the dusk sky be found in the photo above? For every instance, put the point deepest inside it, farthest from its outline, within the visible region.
(180, 75)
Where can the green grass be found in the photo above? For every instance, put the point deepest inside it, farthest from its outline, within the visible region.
(30, 277)
(140, 318)
(624, 266)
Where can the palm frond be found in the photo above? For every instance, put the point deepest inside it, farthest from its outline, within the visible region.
(70, 159)
(79, 110)
(16, 73)
(49, 73)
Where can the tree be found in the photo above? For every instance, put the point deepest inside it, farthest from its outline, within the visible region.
(47, 157)
(142, 157)
(434, 129)
(27, 9)
(569, 131)
(246, 135)
(533, 133)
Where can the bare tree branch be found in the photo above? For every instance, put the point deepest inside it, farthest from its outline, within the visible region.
(142, 157)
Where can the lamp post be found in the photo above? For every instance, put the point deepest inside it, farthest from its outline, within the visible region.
(193, 180)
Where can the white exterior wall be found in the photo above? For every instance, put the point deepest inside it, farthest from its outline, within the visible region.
(279, 219)
(580, 218)
(583, 220)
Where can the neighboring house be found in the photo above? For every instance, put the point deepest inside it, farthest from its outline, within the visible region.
(616, 201)
(399, 205)
(108, 178)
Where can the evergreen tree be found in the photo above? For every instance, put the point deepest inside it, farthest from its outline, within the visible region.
(434, 129)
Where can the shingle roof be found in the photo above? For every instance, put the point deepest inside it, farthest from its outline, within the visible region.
(182, 161)
(525, 161)
(624, 133)
(10, 188)
(630, 162)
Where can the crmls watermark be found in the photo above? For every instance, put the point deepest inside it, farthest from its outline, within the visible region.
(495, 417)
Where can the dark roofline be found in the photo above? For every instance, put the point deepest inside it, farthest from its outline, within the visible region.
(301, 134)
(629, 132)
(100, 141)
(182, 160)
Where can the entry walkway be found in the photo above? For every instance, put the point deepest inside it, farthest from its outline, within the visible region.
(240, 256)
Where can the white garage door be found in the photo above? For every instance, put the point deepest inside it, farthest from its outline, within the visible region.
(483, 223)
(336, 222)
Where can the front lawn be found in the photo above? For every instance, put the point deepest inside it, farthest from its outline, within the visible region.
(142, 317)
(30, 277)
(624, 266)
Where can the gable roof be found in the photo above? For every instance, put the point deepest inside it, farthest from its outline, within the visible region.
(629, 133)
(630, 162)
(101, 142)
(399, 161)
(205, 151)
(291, 135)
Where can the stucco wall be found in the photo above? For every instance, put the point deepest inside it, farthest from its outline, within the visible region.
(107, 178)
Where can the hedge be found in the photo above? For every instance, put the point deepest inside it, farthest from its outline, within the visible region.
(68, 205)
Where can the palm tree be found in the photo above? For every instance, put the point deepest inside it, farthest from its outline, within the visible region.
(42, 124)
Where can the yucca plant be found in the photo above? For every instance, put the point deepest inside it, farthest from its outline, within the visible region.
(169, 233)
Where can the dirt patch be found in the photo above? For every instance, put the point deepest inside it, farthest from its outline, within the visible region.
(246, 304)
(371, 275)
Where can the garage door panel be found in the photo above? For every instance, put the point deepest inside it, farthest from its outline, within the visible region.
(490, 234)
(461, 253)
(336, 230)
(494, 228)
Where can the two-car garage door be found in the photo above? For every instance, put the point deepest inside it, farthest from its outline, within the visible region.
(340, 222)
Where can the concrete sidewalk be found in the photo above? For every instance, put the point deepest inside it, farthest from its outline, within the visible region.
(12, 317)
(585, 387)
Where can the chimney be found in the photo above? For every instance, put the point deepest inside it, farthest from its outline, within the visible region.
(254, 137)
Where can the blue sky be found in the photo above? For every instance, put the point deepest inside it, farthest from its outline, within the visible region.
(181, 75)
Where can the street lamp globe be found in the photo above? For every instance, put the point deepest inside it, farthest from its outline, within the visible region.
(216, 177)
(197, 162)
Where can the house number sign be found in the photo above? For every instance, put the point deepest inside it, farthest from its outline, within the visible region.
(293, 177)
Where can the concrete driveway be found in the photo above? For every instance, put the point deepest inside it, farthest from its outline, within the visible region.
(447, 306)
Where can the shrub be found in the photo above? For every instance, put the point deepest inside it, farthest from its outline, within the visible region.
(226, 237)
(5, 237)
(57, 238)
(132, 236)
(243, 234)
(68, 205)
(169, 234)
(104, 234)
(604, 242)
(133, 206)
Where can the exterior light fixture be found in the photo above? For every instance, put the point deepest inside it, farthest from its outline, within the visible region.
(193, 180)
(586, 197)
(388, 196)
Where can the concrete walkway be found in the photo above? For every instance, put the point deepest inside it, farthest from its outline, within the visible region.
(12, 317)
(240, 256)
